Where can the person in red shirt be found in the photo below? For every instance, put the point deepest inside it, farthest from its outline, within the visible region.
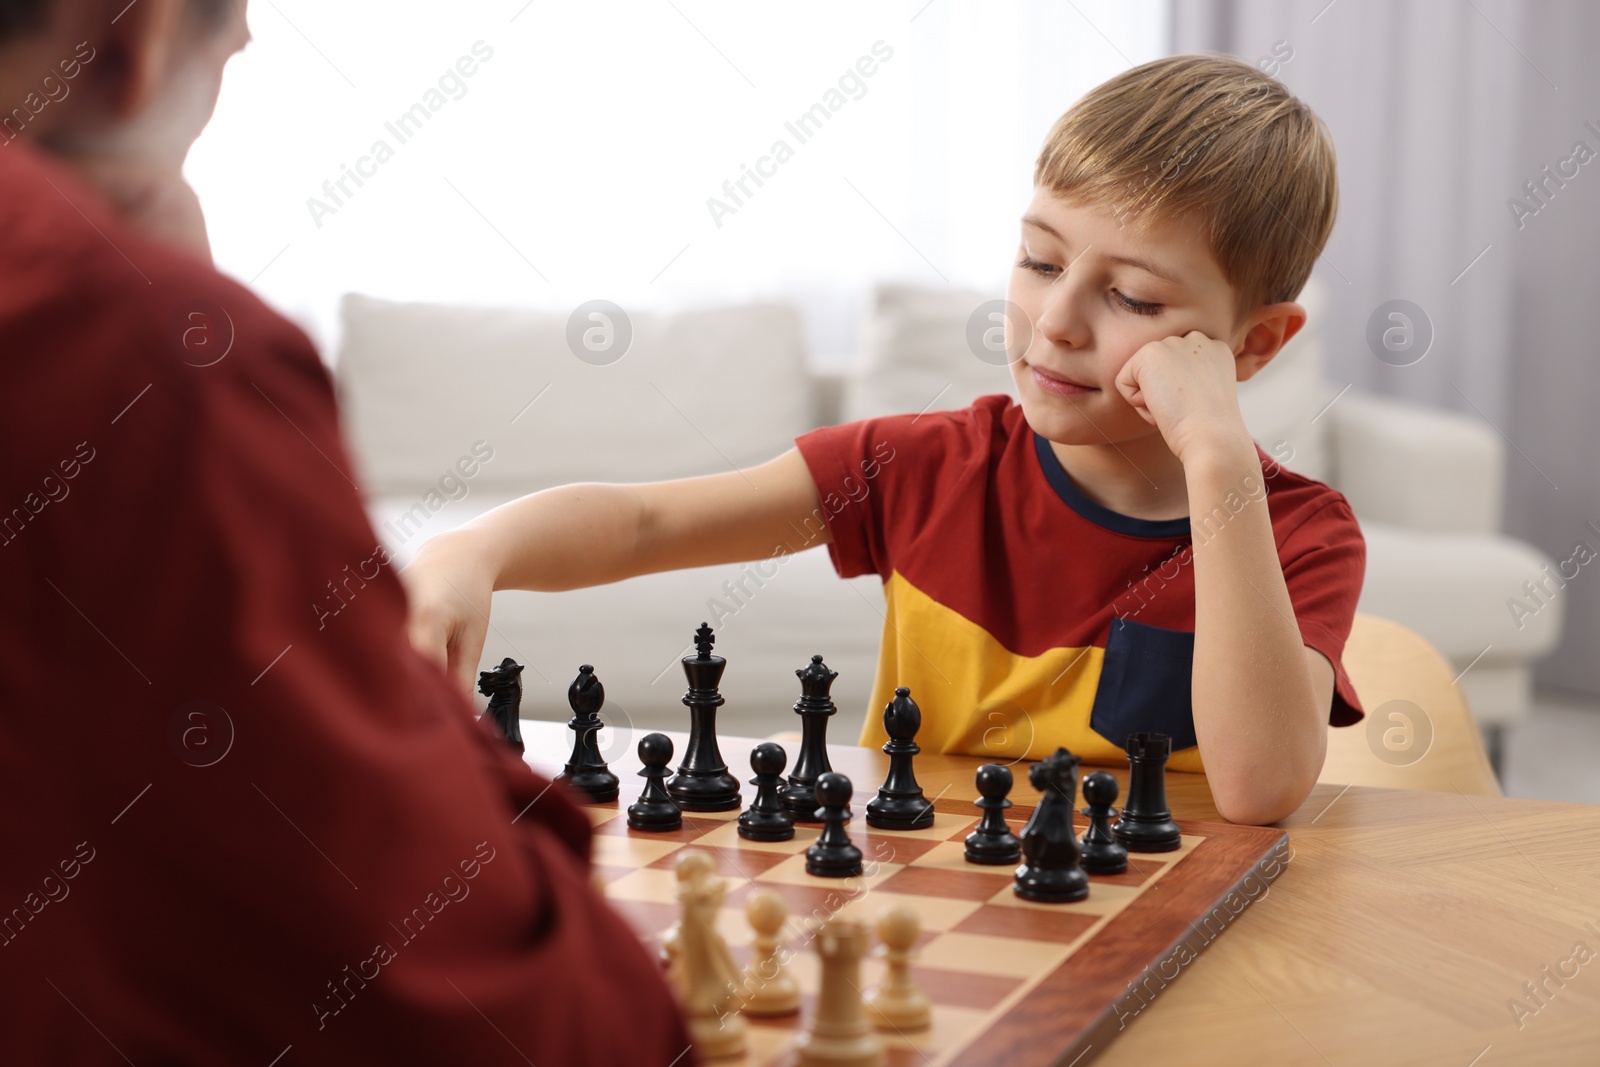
(234, 832)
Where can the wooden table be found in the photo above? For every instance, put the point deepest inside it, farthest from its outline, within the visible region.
(1404, 927)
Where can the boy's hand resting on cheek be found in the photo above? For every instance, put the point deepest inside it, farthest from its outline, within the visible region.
(1185, 387)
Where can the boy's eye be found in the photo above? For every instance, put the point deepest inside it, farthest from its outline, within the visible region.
(1138, 307)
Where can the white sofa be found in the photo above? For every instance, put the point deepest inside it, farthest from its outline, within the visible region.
(708, 390)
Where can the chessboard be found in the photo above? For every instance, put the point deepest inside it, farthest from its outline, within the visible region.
(1011, 981)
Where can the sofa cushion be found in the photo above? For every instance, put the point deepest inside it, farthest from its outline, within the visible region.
(696, 392)
(915, 354)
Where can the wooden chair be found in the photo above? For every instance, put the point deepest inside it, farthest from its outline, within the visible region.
(1408, 691)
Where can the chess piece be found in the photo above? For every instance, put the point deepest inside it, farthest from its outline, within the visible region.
(898, 1004)
(655, 811)
(769, 988)
(766, 819)
(1102, 854)
(832, 855)
(993, 843)
(670, 956)
(707, 979)
(703, 782)
(1050, 871)
(1146, 824)
(900, 804)
(503, 687)
(814, 707)
(840, 1033)
(586, 771)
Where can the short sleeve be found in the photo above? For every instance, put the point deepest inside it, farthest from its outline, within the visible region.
(847, 467)
(1324, 560)
(879, 480)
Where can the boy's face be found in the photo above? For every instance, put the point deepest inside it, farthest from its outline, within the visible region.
(1090, 313)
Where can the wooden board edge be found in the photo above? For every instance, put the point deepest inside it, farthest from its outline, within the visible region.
(1165, 928)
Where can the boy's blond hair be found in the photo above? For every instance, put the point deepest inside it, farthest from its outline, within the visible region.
(1215, 139)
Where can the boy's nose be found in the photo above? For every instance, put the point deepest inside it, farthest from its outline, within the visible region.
(1061, 322)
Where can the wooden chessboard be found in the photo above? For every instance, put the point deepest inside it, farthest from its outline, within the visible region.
(1011, 981)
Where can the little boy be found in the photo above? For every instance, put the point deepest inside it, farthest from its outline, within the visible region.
(1107, 556)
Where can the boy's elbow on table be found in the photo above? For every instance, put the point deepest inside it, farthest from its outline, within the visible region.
(1254, 800)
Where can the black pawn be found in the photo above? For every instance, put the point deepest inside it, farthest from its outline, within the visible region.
(766, 819)
(832, 855)
(586, 771)
(900, 804)
(1146, 824)
(993, 843)
(503, 687)
(1050, 871)
(1101, 852)
(655, 810)
(814, 707)
(703, 782)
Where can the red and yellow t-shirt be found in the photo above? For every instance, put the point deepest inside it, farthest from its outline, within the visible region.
(1021, 614)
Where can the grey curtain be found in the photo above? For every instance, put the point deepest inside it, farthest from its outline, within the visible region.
(1468, 135)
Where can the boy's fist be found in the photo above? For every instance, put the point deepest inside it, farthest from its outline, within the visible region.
(1185, 387)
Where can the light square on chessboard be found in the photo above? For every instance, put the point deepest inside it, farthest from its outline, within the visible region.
(726, 835)
(630, 850)
(944, 826)
(935, 913)
(655, 884)
(731, 862)
(792, 870)
(1010, 957)
(1104, 899)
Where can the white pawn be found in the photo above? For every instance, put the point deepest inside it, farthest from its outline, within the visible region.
(769, 988)
(840, 1034)
(898, 1003)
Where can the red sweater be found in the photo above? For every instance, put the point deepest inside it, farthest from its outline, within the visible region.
(237, 827)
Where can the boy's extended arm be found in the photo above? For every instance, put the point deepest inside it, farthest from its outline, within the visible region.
(590, 534)
(1260, 695)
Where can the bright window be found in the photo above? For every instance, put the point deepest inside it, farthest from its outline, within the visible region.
(549, 153)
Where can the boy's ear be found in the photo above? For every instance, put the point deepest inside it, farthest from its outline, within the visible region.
(1266, 332)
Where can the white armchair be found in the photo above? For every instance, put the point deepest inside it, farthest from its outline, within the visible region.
(1428, 487)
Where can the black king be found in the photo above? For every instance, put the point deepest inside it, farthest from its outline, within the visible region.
(703, 782)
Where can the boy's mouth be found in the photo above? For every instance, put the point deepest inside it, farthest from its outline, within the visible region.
(1058, 384)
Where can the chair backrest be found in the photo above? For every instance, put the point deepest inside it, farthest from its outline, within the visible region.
(1418, 733)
